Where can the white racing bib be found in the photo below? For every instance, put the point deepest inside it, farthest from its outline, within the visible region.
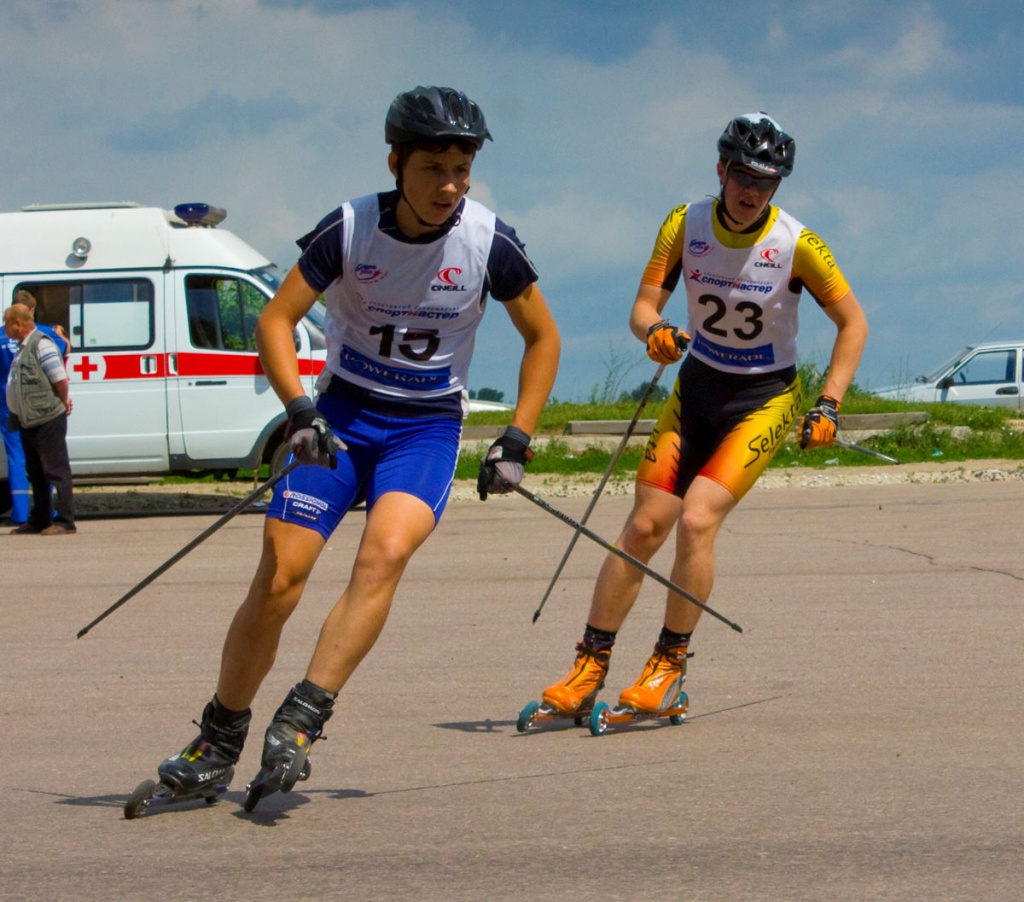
(742, 311)
(403, 317)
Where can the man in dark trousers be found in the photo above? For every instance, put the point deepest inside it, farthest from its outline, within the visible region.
(17, 477)
(39, 404)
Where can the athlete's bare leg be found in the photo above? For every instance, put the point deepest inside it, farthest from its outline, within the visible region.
(396, 526)
(649, 524)
(289, 553)
(705, 507)
(697, 518)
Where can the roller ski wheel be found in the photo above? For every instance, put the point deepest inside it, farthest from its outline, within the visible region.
(540, 712)
(603, 716)
(296, 725)
(152, 794)
(276, 779)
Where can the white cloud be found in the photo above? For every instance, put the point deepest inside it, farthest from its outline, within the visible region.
(907, 119)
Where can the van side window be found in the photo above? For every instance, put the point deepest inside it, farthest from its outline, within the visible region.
(988, 368)
(222, 312)
(105, 314)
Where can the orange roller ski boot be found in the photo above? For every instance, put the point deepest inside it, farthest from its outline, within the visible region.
(575, 694)
(658, 693)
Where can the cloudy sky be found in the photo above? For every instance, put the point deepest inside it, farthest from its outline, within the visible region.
(908, 118)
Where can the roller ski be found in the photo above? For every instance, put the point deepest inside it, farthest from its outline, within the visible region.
(297, 724)
(572, 698)
(658, 694)
(201, 770)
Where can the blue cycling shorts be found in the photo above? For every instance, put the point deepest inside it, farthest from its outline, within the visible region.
(414, 455)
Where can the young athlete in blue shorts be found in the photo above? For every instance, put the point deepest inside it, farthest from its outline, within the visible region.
(404, 275)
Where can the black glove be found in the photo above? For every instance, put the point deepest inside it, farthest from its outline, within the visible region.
(819, 427)
(501, 470)
(310, 436)
(666, 343)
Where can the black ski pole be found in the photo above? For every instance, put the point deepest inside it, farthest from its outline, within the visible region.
(600, 488)
(199, 539)
(626, 556)
(861, 449)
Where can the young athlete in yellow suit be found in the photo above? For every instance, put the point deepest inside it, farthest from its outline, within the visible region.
(744, 265)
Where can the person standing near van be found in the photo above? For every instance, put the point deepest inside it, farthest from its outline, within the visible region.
(17, 478)
(743, 264)
(404, 275)
(39, 404)
(55, 332)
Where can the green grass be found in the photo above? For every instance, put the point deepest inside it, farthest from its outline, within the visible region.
(983, 435)
(906, 444)
(556, 416)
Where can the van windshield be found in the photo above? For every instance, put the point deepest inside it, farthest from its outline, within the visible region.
(273, 277)
(270, 275)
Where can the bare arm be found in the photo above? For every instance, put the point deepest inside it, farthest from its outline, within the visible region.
(532, 318)
(851, 335)
(60, 389)
(647, 307)
(275, 333)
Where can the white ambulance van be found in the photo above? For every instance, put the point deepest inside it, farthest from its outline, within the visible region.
(160, 309)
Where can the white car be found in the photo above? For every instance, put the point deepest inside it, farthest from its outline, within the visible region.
(986, 374)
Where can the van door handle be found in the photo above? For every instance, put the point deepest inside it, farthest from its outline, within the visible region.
(1009, 390)
(147, 365)
(211, 381)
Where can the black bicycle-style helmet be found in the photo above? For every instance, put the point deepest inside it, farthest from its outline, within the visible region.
(756, 140)
(432, 113)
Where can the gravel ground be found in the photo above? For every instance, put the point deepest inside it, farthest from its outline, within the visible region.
(120, 500)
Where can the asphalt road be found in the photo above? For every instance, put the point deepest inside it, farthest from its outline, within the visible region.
(861, 740)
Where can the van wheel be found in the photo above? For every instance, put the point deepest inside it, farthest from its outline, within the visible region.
(279, 458)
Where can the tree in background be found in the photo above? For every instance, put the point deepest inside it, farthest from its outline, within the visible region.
(619, 364)
(487, 394)
(660, 393)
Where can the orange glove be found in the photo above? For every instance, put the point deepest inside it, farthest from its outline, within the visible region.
(820, 425)
(666, 343)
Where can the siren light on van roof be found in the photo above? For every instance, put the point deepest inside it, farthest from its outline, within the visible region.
(205, 215)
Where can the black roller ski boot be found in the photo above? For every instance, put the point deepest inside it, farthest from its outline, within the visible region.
(298, 723)
(203, 769)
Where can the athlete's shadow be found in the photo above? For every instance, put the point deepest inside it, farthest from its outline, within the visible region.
(104, 801)
(478, 726)
(277, 808)
(118, 801)
(269, 812)
(554, 726)
(717, 711)
(273, 809)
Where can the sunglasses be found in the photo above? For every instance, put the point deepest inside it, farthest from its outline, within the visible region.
(745, 180)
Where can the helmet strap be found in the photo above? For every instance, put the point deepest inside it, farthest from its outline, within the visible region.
(433, 226)
(420, 219)
(447, 224)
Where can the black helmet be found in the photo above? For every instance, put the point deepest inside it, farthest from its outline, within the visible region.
(756, 140)
(430, 113)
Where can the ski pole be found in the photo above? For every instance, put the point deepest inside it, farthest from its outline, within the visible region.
(199, 539)
(600, 488)
(850, 446)
(626, 556)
